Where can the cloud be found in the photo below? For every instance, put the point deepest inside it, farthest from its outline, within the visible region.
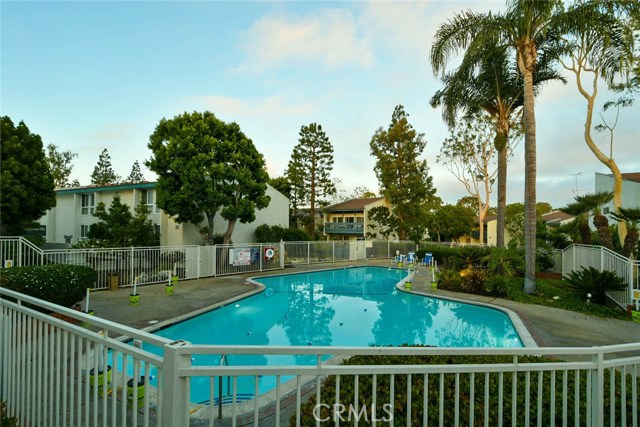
(330, 37)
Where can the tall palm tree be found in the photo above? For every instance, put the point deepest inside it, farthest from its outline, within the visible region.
(632, 217)
(595, 202)
(488, 80)
(524, 28)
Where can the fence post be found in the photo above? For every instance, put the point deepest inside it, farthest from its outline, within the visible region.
(131, 265)
(282, 253)
(597, 389)
(215, 261)
(333, 251)
(199, 269)
(175, 396)
(260, 254)
(308, 253)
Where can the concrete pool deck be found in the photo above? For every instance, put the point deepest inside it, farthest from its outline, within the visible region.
(550, 327)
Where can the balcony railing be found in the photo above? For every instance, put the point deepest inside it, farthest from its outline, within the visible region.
(344, 228)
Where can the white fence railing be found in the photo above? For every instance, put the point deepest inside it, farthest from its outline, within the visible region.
(576, 257)
(50, 373)
(143, 265)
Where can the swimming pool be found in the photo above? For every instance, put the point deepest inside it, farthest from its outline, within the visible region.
(356, 306)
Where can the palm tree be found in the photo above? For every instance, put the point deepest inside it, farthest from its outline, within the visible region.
(524, 28)
(632, 217)
(488, 80)
(595, 202)
(579, 212)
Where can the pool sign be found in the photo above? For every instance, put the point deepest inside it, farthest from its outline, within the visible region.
(8, 263)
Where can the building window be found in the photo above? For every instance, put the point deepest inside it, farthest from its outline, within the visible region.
(84, 231)
(349, 219)
(146, 196)
(88, 204)
(605, 210)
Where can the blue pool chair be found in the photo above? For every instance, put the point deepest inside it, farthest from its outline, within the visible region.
(427, 259)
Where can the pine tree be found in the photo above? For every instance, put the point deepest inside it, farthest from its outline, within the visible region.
(309, 171)
(103, 173)
(135, 175)
(403, 177)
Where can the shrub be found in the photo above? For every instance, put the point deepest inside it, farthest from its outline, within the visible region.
(594, 282)
(440, 253)
(59, 284)
(497, 285)
(506, 262)
(271, 234)
(6, 420)
(450, 382)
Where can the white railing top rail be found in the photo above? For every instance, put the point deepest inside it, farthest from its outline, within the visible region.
(607, 251)
(125, 248)
(23, 241)
(82, 317)
(406, 351)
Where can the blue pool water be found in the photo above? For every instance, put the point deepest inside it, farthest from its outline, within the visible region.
(357, 306)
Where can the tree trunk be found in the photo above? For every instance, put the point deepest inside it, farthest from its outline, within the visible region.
(526, 64)
(227, 235)
(502, 196)
(585, 231)
(602, 225)
(630, 241)
(608, 161)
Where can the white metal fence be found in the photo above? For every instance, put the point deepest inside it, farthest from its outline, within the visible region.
(576, 257)
(54, 372)
(143, 265)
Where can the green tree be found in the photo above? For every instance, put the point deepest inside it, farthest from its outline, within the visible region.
(61, 165)
(579, 212)
(118, 227)
(113, 228)
(206, 166)
(309, 171)
(598, 38)
(362, 192)
(103, 173)
(527, 29)
(403, 176)
(469, 154)
(450, 222)
(135, 175)
(25, 178)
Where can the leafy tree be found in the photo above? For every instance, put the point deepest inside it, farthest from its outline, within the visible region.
(515, 220)
(526, 29)
(142, 231)
(450, 222)
(103, 173)
(60, 164)
(403, 176)
(468, 154)
(206, 166)
(362, 192)
(282, 184)
(135, 175)
(309, 171)
(25, 178)
(598, 39)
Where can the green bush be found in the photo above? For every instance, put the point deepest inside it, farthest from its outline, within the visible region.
(6, 420)
(497, 285)
(440, 253)
(594, 282)
(463, 383)
(59, 284)
(271, 234)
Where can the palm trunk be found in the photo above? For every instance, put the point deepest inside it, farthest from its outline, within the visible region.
(585, 231)
(502, 195)
(602, 225)
(630, 241)
(526, 63)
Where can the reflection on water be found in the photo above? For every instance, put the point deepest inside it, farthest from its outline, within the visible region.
(343, 307)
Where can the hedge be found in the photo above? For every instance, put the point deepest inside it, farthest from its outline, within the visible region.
(451, 382)
(59, 284)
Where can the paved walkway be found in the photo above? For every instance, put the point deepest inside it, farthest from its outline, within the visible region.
(550, 327)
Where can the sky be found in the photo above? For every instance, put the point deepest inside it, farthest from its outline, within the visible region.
(90, 75)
